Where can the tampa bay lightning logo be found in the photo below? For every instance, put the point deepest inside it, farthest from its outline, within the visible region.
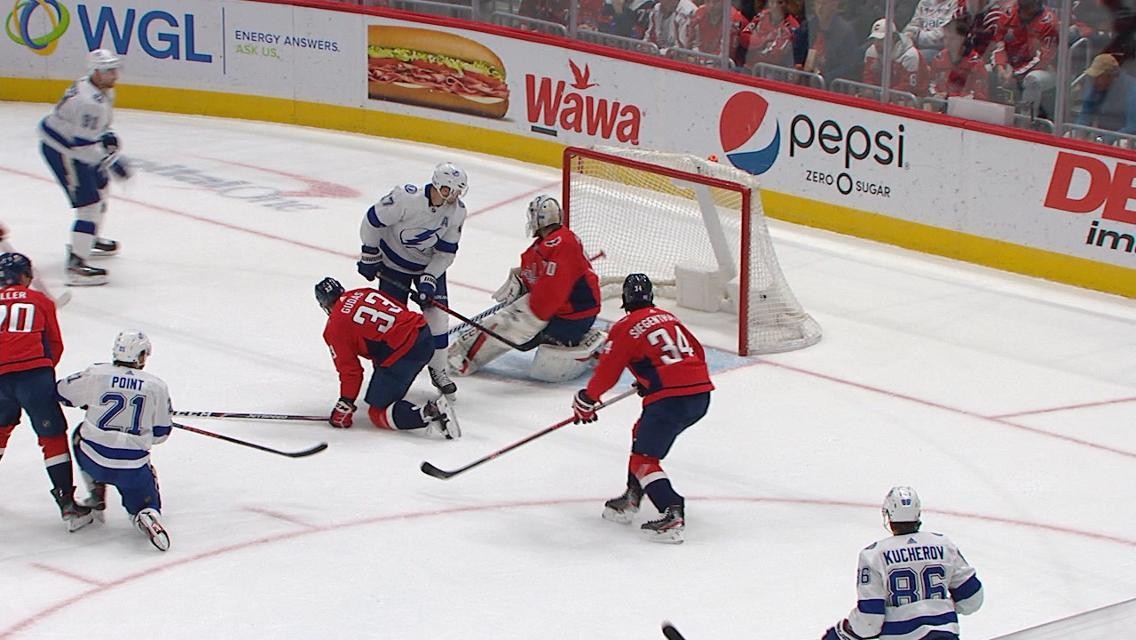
(417, 238)
(741, 124)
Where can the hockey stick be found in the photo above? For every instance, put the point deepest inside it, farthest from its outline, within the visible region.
(442, 474)
(291, 454)
(671, 633)
(469, 321)
(250, 416)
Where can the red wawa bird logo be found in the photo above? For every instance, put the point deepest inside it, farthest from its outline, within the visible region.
(582, 78)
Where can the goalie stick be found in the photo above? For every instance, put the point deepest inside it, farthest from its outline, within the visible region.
(671, 633)
(250, 416)
(303, 453)
(442, 474)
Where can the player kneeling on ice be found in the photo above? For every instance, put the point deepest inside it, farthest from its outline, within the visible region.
(128, 411)
(911, 585)
(670, 371)
(549, 303)
(369, 324)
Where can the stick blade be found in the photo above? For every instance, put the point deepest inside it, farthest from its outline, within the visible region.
(435, 472)
(671, 633)
(307, 452)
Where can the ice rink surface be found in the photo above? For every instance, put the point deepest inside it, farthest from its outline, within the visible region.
(1008, 403)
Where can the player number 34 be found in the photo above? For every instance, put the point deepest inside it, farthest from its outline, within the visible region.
(674, 349)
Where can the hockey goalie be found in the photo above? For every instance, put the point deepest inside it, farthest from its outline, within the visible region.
(549, 303)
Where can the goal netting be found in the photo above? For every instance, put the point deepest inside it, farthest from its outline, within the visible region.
(695, 227)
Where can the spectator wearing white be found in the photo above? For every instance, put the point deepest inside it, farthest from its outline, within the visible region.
(669, 25)
(909, 71)
(926, 25)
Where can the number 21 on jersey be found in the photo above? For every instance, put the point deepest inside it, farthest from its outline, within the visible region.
(674, 348)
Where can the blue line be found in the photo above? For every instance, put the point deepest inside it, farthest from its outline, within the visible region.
(224, 45)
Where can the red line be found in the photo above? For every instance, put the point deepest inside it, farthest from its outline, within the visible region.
(1070, 407)
(281, 516)
(67, 574)
(102, 588)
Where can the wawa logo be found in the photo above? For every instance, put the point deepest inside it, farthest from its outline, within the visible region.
(555, 105)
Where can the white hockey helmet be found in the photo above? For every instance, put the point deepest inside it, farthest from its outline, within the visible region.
(103, 60)
(902, 505)
(543, 211)
(129, 347)
(452, 178)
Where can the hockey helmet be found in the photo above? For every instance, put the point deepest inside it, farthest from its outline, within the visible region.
(130, 346)
(543, 211)
(638, 292)
(902, 505)
(103, 60)
(13, 267)
(452, 178)
(328, 292)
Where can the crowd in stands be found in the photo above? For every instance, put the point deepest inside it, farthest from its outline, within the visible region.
(1002, 51)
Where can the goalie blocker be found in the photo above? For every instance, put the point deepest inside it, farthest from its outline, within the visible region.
(551, 302)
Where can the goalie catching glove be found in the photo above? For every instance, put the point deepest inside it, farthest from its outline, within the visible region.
(584, 408)
(512, 289)
(343, 414)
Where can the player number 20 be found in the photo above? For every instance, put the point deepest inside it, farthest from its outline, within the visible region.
(19, 317)
(674, 349)
(365, 314)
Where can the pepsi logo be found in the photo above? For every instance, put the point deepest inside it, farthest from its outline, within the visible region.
(748, 144)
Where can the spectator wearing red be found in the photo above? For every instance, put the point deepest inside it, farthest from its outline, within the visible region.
(958, 70)
(1025, 51)
(669, 25)
(909, 72)
(769, 37)
(706, 29)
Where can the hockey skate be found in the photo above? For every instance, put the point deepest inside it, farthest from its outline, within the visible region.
(104, 248)
(667, 528)
(623, 508)
(96, 502)
(443, 383)
(441, 419)
(81, 274)
(74, 516)
(148, 522)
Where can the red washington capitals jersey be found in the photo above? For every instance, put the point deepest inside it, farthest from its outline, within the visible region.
(559, 278)
(665, 358)
(365, 323)
(29, 330)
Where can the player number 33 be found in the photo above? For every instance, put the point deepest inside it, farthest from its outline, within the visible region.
(365, 314)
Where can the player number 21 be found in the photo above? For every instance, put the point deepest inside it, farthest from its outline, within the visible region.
(674, 349)
(367, 314)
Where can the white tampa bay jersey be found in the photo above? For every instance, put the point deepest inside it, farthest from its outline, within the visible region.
(909, 585)
(79, 119)
(128, 411)
(413, 236)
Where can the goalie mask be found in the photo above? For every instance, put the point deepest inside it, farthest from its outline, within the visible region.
(328, 292)
(638, 292)
(902, 505)
(130, 347)
(450, 182)
(543, 211)
(13, 267)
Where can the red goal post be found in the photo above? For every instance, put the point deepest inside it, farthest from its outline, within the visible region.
(695, 227)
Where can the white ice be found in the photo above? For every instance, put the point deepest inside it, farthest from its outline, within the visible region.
(1007, 402)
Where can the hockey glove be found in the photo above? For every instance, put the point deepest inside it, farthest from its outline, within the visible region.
(842, 631)
(583, 408)
(343, 414)
(370, 263)
(512, 289)
(427, 287)
(110, 142)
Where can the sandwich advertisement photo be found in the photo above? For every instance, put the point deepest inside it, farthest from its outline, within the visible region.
(435, 69)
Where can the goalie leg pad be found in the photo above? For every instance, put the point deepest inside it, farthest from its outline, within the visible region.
(474, 349)
(554, 363)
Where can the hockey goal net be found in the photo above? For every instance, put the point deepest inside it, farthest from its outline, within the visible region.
(696, 228)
